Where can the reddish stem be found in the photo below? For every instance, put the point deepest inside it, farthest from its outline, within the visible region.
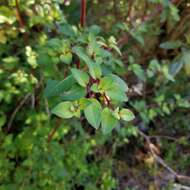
(83, 13)
(78, 64)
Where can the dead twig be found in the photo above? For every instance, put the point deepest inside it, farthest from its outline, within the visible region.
(181, 178)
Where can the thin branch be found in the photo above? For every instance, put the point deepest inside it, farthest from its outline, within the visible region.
(18, 15)
(164, 137)
(9, 125)
(53, 131)
(180, 178)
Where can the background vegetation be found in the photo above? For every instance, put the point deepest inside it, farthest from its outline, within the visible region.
(68, 120)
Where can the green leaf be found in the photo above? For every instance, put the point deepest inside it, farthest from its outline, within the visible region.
(122, 84)
(54, 88)
(114, 87)
(74, 93)
(106, 83)
(111, 82)
(95, 29)
(115, 93)
(109, 122)
(67, 30)
(126, 114)
(139, 72)
(82, 54)
(66, 58)
(95, 88)
(81, 77)
(64, 110)
(95, 70)
(83, 103)
(93, 113)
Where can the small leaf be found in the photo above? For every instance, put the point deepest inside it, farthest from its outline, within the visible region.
(170, 45)
(81, 77)
(95, 88)
(64, 110)
(139, 72)
(126, 114)
(109, 122)
(93, 113)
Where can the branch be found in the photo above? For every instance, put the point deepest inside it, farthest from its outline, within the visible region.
(83, 13)
(181, 178)
(18, 15)
(9, 125)
(52, 132)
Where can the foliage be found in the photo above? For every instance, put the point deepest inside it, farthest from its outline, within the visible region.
(74, 98)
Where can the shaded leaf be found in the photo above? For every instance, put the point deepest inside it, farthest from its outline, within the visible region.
(74, 93)
(54, 88)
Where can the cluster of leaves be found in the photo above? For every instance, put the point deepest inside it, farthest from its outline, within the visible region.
(90, 86)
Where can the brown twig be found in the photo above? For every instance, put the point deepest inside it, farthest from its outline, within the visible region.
(163, 136)
(18, 15)
(181, 178)
(53, 131)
